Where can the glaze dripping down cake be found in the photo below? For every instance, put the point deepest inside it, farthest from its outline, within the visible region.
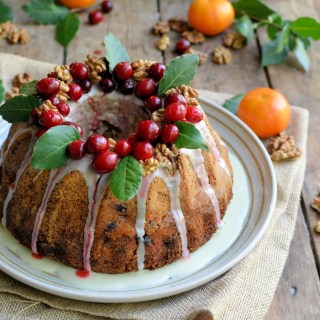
(133, 193)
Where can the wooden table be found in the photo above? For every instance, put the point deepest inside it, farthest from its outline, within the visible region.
(297, 295)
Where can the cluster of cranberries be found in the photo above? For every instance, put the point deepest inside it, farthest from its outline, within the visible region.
(96, 16)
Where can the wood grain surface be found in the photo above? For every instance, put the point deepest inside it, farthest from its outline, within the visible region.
(298, 292)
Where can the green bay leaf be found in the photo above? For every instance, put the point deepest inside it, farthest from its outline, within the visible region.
(232, 104)
(29, 88)
(301, 55)
(126, 178)
(245, 27)
(18, 109)
(50, 150)
(5, 12)
(189, 137)
(270, 54)
(306, 27)
(255, 9)
(283, 38)
(67, 29)
(2, 91)
(45, 11)
(179, 71)
(115, 51)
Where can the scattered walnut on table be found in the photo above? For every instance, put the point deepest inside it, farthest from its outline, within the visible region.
(202, 55)
(178, 24)
(18, 81)
(221, 55)
(17, 36)
(317, 228)
(163, 43)
(160, 28)
(316, 203)
(235, 40)
(194, 36)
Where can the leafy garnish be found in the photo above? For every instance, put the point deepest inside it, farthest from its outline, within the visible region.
(255, 9)
(189, 137)
(245, 27)
(45, 11)
(301, 55)
(126, 178)
(270, 54)
(180, 70)
(232, 104)
(50, 150)
(5, 12)
(29, 88)
(2, 91)
(306, 27)
(67, 29)
(115, 51)
(17, 109)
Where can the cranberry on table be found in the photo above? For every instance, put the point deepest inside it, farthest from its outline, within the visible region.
(105, 162)
(54, 100)
(97, 143)
(72, 124)
(122, 148)
(40, 132)
(75, 92)
(48, 87)
(194, 114)
(153, 103)
(182, 45)
(85, 85)
(107, 85)
(106, 6)
(79, 70)
(169, 133)
(126, 87)
(142, 150)
(50, 118)
(123, 71)
(175, 112)
(132, 138)
(63, 108)
(175, 97)
(156, 71)
(148, 130)
(95, 17)
(77, 149)
(145, 88)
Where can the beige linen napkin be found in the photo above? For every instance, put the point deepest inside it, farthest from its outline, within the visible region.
(245, 292)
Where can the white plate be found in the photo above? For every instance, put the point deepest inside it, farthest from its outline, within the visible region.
(252, 207)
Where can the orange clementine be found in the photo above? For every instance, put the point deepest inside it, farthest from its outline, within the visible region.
(211, 16)
(266, 111)
(74, 4)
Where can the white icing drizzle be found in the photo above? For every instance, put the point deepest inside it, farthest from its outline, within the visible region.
(96, 191)
(22, 168)
(197, 161)
(205, 132)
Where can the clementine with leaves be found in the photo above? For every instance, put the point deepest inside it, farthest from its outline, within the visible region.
(266, 111)
(211, 17)
(74, 4)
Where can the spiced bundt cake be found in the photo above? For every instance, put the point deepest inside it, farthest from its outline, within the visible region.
(113, 201)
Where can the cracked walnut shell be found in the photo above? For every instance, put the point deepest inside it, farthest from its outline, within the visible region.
(221, 55)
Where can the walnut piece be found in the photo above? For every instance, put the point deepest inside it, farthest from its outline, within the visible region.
(46, 105)
(140, 69)
(63, 91)
(316, 203)
(163, 43)
(112, 143)
(221, 55)
(149, 166)
(194, 36)
(188, 92)
(21, 79)
(96, 66)
(283, 147)
(18, 36)
(11, 94)
(235, 40)
(178, 24)
(317, 228)
(63, 73)
(166, 158)
(158, 117)
(201, 55)
(160, 28)
(6, 28)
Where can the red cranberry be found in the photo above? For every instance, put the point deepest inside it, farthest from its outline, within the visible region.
(122, 148)
(148, 130)
(79, 70)
(77, 149)
(156, 71)
(95, 17)
(72, 124)
(126, 87)
(54, 100)
(153, 103)
(85, 85)
(123, 71)
(34, 117)
(48, 87)
(182, 45)
(175, 112)
(75, 92)
(175, 97)
(132, 138)
(194, 114)
(142, 150)
(105, 162)
(169, 133)
(106, 6)
(50, 118)
(107, 85)
(52, 75)
(97, 143)
(40, 132)
(144, 88)
(63, 108)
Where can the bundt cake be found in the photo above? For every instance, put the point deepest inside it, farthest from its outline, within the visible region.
(110, 169)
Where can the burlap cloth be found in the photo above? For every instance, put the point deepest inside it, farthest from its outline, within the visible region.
(245, 292)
